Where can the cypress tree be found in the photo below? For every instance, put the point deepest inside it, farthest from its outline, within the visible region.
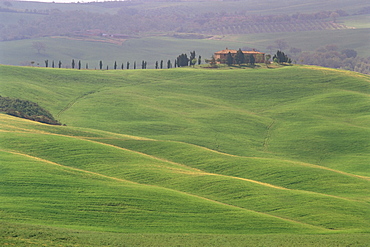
(252, 60)
(52, 64)
(239, 57)
(79, 64)
(192, 57)
(60, 64)
(229, 59)
(115, 65)
(46, 63)
(156, 64)
(101, 64)
(73, 63)
(122, 66)
(199, 59)
(87, 66)
(169, 65)
(212, 62)
(280, 57)
(161, 64)
(128, 65)
(182, 60)
(135, 65)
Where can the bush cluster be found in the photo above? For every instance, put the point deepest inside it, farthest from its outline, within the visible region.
(330, 56)
(26, 109)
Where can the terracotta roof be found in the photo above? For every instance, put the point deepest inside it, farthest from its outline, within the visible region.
(226, 51)
(253, 52)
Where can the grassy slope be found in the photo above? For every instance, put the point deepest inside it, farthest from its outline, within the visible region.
(309, 144)
(262, 103)
(30, 235)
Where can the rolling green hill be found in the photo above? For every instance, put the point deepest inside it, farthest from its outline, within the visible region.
(272, 157)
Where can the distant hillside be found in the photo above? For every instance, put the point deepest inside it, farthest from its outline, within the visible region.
(122, 18)
(212, 156)
(130, 19)
(128, 31)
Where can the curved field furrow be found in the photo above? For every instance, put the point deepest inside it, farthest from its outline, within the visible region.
(189, 150)
(175, 177)
(201, 171)
(251, 180)
(285, 160)
(180, 192)
(95, 140)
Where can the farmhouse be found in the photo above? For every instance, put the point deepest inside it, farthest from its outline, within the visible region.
(220, 56)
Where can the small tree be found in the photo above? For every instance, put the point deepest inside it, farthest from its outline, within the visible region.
(281, 44)
(350, 53)
(60, 64)
(39, 46)
(122, 66)
(239, 57)
(161, 64)
(267, 59)
(115, 65)
(135, 65)
(229, 59)
(182, 60)
(169, 65)
(192, 58)
(280, 57)
(79, 64)
(194, 61)
(252, 60)
(156, 64)
(128, 65)
(199, 59)
(52, 64)
(212, 62)
(87, 66)
(101, 64)
(46, 63)
(73, 64)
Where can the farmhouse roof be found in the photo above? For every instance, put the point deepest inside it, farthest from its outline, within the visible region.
(226, 51)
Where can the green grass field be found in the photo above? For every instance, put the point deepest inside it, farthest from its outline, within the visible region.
(187, 157)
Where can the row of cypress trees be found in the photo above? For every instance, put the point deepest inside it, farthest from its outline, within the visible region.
(181, 61)
(78, 65)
